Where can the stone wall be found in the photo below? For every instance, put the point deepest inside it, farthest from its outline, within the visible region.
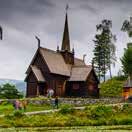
(73, 101)
(77, 101)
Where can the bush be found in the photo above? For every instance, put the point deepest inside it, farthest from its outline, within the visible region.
(66, 109)
(18, 114)
(5, 102)
(99, 112)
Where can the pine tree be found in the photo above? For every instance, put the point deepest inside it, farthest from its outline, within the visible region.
(104, 52)
(127, 62)
(127, 58)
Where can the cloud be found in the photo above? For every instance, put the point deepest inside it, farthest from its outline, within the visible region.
(23, 19)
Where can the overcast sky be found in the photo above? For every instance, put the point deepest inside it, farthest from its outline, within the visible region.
(23, 19)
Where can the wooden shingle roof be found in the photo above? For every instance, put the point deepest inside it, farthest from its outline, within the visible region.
(55, 62)
(38, 74)
(79, 62)
(80, 73)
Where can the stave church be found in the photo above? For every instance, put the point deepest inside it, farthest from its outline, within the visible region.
(61, 71)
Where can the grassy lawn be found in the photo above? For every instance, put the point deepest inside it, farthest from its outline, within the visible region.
(99, 115)
(8, 108)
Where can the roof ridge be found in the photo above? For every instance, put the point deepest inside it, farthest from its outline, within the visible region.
(48, 49)
(78, 59)
(82, 66)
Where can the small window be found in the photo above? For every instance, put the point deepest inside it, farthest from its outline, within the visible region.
(75, 86)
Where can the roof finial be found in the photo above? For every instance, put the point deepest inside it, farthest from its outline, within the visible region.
(38, 41)
(73, 51)
(1, 33)
(84, 57)
(57, 48)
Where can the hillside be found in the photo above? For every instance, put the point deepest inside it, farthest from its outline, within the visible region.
(112, 87)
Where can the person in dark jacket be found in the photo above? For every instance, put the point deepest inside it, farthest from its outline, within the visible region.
(56, 102)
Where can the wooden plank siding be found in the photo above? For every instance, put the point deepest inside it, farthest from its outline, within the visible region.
(31, 85)
(92, 84)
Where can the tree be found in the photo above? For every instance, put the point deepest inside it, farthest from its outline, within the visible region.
(9, 91)
(127, 58)
(104, 52)
(127, 62)
(127, 27)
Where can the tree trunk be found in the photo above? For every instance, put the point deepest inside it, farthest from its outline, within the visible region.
(104, 69)
(110, 71)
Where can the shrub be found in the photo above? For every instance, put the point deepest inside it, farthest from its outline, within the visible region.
(126, 108)
(99, 112)
(18, 114)
(66, 109)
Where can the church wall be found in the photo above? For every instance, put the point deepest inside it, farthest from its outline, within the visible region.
(76, 89)
(58, 83)
(31, 85)
(92, 85)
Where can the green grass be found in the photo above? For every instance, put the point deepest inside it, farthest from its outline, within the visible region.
(99, 115)
(8, 108)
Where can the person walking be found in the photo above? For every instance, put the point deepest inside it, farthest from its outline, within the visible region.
(56, 102)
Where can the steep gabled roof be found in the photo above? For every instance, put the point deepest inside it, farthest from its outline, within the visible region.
(36, 72)
(80, 73)
(55, 62)
(79, 62)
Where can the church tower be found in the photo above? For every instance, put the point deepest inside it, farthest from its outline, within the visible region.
(66, 52)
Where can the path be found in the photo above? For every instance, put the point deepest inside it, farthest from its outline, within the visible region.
(55, 110)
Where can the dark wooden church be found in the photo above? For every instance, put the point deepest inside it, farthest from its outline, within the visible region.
(60, 70)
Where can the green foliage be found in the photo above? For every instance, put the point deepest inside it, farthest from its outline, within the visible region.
(8, 91)
(99, 111)
(66, 109)
(119, 78)
(112, 87)
(92, 115)
(127, 27)
(18, 114)
(127, 61)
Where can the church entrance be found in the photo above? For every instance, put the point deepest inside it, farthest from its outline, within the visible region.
(59, 88)
(42, 89)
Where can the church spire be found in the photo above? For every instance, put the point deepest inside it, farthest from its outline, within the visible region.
(66, 38)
